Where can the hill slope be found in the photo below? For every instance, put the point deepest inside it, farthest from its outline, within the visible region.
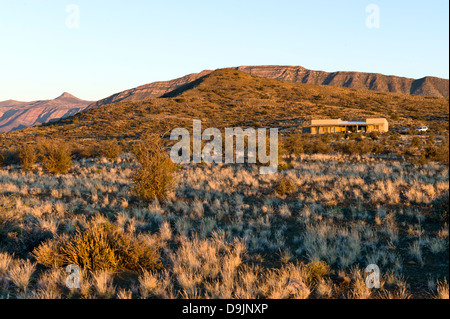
(428, 86)
(230, 98)
(148, 91)
(16, 115)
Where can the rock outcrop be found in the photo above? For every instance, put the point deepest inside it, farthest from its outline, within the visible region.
(427, 86)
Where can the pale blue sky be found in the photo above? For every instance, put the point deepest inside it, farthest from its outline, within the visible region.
(124, 44)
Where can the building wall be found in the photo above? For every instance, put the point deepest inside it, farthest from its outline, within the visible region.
(381, 128)
(341, 129)
(326, 129)
(372, 125)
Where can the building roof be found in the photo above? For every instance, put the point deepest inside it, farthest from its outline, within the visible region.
(339, 122)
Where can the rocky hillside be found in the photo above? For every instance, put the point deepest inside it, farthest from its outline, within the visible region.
(230, 98)
(16, 115)
(427, 86)
(148, 91)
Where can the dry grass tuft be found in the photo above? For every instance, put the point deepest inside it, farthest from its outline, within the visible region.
(20, 274)
(102, 246)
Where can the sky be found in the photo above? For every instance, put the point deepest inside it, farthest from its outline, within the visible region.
(96, 48)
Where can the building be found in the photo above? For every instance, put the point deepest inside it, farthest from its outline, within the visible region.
(339, 126)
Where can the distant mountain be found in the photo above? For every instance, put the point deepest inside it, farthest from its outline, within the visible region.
(16, 115)
(427, 86)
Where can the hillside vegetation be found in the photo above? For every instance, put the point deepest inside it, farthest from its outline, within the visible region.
(98, 190)
(229, 98)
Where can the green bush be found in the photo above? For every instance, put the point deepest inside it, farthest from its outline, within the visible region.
(154, 177)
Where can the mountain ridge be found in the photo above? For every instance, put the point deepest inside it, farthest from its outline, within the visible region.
(16, 115)
(426, 86)
(230, 98)
(151, 90)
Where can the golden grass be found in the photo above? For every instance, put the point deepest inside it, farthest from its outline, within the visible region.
(100, 247)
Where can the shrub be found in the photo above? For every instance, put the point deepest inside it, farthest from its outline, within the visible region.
(56, 157)
(317, 270)
(9, 157)
(294, 144)
(27, 155)
(20, 274)
(99, 247)
(317, 145)
(285, 186)
(373, 135)
(154, 177)
(442, 290)
(91, 150)
(443, 153)
(440, 208)
(416, 142)
(285, 166)
(438, 153)
(111, 150)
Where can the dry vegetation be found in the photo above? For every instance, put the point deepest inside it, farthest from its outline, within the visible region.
(228, 98)
(224, 231)
(90, 190)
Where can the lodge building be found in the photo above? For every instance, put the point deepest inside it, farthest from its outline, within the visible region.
(339, 126)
